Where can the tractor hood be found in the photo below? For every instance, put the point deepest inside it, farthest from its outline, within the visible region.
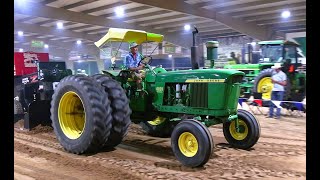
(201, 75)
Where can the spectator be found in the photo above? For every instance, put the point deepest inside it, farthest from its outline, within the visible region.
(279, 80)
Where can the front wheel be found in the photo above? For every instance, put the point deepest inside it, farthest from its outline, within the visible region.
(249, 131)
(192, 143)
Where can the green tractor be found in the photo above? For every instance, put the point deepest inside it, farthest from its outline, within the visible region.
(258, 76)
(93, 112)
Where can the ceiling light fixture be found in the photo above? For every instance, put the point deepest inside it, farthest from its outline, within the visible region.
(187, 27)
(79, 42)
(20, 33)
(59, 25)
(286, 14)
(119, 11)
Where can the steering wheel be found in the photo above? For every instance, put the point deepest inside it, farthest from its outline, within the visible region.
(145, 60)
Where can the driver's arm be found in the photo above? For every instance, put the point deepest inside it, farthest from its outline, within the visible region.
(137, 68)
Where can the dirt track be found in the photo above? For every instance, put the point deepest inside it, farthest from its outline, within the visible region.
(279, 154)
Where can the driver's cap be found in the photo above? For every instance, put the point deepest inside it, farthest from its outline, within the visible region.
(133, 44)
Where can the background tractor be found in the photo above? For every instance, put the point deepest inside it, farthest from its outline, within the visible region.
(92, 112)
(35, 79)
(258, 76)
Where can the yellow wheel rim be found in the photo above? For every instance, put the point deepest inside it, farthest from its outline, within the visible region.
(157, 121)
(243, 130)
(188, 144)
(71, 113)
(265, 87)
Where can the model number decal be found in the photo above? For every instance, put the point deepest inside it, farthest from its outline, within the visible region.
(205, 80)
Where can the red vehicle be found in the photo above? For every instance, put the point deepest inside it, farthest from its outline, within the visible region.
(35, 79)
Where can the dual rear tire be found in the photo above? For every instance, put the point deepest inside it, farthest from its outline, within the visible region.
(89, 113)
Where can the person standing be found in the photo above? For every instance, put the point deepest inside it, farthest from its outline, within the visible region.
(279, 80)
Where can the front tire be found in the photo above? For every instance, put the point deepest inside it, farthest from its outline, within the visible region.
(249, 131)
(192, 143)
(79, 114)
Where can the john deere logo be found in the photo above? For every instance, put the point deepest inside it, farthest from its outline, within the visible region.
(205, 80)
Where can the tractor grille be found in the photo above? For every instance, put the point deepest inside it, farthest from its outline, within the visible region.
(199, 95)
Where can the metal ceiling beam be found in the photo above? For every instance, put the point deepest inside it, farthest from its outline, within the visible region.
(182, 23)
(216, 3)
(174, 22)
(248, 28)
(201, 34)
(109, 6)
(274, 15)
(244, 6)
(277, 21)
(213, 36)
(84, 2)
(56, 32)
(145, 15)
(141, 8)
(162, 19)
(80, 27)
(290, 27)
(47, 1)
(200, 28)
(297, 23)
(267, 10)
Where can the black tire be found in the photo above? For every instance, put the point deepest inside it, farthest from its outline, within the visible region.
(163, 129)
(88, 132)
(17, 109)
(251, 128)
(196, 133)
(266, 73)
(120, 109)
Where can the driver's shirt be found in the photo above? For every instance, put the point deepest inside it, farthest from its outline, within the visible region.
(132, 60)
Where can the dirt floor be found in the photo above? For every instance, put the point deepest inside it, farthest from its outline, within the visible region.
(279, 154)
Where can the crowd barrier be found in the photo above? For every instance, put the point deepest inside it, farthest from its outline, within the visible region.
(293, 108)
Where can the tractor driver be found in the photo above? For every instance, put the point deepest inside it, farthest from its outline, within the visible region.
(131, 62)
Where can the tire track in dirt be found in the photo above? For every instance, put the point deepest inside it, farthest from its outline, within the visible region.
(223, 162)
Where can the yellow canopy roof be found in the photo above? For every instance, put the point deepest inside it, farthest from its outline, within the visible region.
(128, 35)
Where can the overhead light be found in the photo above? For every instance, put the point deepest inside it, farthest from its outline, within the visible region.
(46, 46)
(20, 50)
(79, 42)
(20, 33)
(187, 27)
(119, 11)
(59, 25)
(170, 55)
(253, 43)
(286, 14)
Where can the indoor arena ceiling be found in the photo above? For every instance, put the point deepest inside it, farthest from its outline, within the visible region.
(89, 20)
